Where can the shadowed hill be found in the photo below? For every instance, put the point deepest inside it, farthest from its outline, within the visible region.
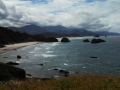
(7, 36)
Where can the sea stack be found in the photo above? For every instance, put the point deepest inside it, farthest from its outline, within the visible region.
(64, 39)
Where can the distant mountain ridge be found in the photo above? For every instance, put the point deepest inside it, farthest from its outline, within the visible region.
(30, 29)
(59, 31)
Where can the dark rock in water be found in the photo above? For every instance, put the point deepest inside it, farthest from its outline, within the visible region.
(64, 71)
(65, 39)
(8, 72)
(97, 41)
(40, 64)
(19, 57)
(56, 69)
(86, 40)
(93, 57)
(5, 57)
(12, 63)
(97, 35)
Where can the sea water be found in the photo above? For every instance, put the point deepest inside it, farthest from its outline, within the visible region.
(73, 57)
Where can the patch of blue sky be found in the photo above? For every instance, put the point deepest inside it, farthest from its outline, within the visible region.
(94, 0)
(58, 11)
(38, 1)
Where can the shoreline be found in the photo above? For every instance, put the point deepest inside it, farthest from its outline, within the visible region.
(11, 47)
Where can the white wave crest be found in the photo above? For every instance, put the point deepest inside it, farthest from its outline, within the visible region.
(48, 55)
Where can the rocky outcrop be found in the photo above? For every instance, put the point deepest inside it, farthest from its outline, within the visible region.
(97, 41)
(86, 40)
(43, 38)
(93, 57)
(12, 63)
(8, 72)
(97, 35)
(51, 39)
(65, 39)
(66, 73)
(19, 57)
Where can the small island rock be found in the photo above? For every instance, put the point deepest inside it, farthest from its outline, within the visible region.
(65, 39)
(12, 63)
(86, 40)
(19, 57)
(97, 41)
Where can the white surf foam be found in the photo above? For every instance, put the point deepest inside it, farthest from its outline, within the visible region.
(48, 55)
(49, 51)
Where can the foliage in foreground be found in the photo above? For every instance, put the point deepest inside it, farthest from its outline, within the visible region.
(85, 82)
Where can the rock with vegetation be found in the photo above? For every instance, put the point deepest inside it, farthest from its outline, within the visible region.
(97, 40)
(64, 39)
(43, 38)
(8, 72)
(51, 39)
(86, 40)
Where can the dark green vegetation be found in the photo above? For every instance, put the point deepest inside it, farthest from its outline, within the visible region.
(8, 36)
(8, 72)
(84, 82)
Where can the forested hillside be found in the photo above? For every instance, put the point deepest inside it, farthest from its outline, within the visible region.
(8, 36)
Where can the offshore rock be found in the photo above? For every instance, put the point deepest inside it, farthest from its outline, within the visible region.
(97, 41)
(12, 63)
(86, 40)
(19, 57)
(65, 39)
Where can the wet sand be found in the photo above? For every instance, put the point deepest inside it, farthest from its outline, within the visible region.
(16, 46)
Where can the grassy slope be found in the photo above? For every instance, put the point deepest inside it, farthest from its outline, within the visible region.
(85, 82)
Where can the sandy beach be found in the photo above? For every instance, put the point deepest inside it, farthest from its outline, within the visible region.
(16, 46)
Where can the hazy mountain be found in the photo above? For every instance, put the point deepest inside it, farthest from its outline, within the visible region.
(30, 29)
(59, 31)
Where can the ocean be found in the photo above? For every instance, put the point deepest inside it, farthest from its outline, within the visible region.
(44, 60)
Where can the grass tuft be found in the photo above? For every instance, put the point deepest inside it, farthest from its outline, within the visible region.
(84, 82)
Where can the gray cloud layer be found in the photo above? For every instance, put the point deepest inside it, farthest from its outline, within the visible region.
(97, 15)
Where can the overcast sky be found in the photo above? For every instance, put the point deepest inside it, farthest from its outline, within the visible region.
(89, 14)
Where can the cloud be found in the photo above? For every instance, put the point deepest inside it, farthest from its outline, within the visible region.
(3, 11)
(89, 14)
